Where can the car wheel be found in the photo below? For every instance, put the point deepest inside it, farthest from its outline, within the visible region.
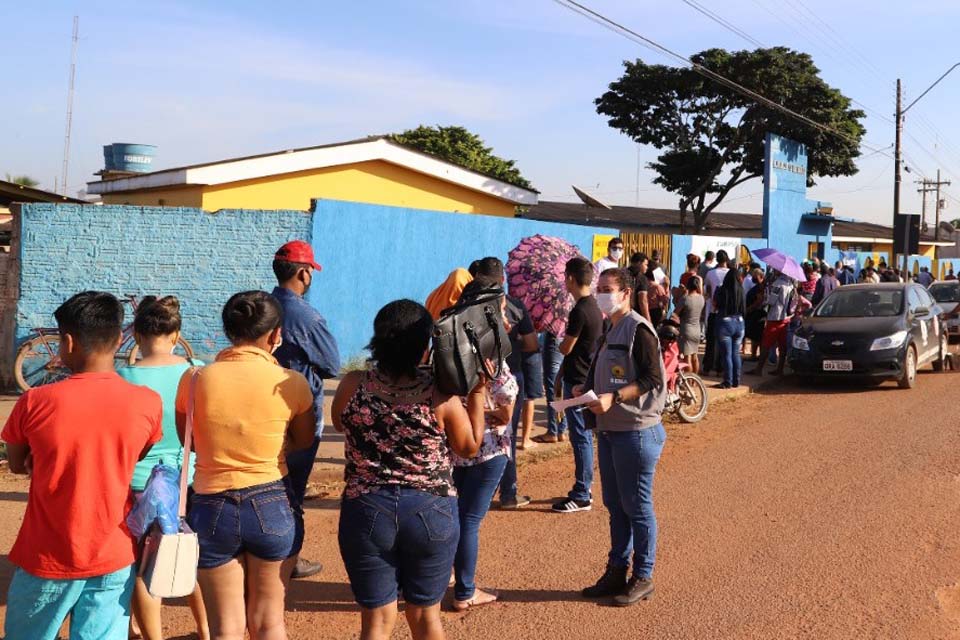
(908, 379)
(940, 362)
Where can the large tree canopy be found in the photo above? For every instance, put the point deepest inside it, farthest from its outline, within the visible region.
(711, 137)
(459, 146)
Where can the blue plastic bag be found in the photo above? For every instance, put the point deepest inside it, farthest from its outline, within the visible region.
(159, 502)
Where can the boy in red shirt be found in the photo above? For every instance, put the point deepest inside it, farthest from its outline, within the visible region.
(79, 440)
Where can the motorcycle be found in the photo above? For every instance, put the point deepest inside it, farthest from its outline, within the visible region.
(686, 391)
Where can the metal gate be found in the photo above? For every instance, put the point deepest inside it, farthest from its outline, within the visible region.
(647, 243)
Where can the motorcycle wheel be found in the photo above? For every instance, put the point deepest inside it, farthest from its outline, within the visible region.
(692, 406)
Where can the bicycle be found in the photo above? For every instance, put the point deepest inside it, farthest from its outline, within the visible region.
(38, 359)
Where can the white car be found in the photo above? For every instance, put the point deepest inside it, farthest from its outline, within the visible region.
(947, 295)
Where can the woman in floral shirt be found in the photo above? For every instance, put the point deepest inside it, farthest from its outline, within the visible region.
(398, 522)
(478, 477)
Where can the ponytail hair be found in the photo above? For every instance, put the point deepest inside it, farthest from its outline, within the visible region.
(248, 315)
(157, 316)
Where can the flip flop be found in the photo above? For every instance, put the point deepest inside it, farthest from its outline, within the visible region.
(480, 598)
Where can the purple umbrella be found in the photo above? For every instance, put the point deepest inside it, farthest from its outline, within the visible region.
(782, 263)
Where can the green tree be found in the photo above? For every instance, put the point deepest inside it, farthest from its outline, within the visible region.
(460, 146)
(711, 138)
(25, 181)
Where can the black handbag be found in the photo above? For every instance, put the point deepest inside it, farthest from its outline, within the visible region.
(466, 336)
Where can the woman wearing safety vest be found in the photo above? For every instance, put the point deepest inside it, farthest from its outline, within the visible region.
(628, 377)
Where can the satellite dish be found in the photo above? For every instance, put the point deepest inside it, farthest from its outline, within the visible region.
(946, 227)
(588, 199)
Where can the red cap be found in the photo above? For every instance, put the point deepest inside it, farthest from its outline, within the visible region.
(297, 251)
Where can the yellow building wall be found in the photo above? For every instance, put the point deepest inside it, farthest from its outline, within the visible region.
(179, 197)
(374, 182)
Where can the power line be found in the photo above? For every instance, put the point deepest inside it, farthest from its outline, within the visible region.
(746, 36)
(828, 50)
(620, 29)
(838, 39)
(723, 22)
(810, 36)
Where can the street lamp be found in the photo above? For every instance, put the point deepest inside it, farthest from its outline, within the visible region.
(897, 153)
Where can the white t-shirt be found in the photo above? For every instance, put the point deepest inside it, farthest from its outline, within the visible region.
(713, 281)
(747, 284)
(603, 264)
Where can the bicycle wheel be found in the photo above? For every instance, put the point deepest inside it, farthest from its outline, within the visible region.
(183, 349)
(38, 363)
(693, 397)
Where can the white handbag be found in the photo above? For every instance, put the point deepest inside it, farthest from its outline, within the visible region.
(168, 565)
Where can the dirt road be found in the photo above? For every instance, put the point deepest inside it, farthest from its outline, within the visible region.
(796, 513)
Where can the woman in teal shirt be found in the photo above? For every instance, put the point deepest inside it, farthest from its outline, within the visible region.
(157, 329)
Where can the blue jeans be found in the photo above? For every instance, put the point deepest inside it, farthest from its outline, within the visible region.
(258, 520)
(508, 483)
(475, 487)
(628, 460)
(299, 467)
(581, 439)
(99, 607)
(550, 355)
(730, 337)
(398, 538)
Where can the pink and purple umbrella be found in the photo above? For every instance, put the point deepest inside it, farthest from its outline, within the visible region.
(535, 276)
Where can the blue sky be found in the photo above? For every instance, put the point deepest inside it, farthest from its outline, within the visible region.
(207, 81)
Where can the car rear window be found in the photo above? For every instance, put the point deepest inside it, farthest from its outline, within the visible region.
(862, 303)
(945, 293)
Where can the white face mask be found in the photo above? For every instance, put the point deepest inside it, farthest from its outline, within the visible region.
(276, 346)
(608, 303)
(616, 254)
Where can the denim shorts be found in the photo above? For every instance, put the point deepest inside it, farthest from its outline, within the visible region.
(397, 538)
(257, 520)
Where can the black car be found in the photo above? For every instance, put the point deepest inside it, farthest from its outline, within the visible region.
(947, 295)
(878, 331)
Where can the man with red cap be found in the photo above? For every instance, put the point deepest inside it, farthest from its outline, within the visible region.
(308, 347)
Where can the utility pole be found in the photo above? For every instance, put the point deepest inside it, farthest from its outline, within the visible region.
(924, 189)
(896, 171)
(936, 231)
(932, 186)
(900, 112)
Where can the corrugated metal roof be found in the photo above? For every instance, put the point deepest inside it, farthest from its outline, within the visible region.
(650, 220)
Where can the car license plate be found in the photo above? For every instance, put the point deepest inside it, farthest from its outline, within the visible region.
(838, 365)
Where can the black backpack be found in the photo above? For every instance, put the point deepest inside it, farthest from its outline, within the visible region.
(465, 337)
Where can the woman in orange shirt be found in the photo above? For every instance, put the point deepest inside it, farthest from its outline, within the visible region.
(248, 411)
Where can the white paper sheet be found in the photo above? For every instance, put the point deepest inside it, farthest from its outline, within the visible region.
(563, 405)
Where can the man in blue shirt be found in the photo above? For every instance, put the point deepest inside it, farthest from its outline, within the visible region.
(308, 347)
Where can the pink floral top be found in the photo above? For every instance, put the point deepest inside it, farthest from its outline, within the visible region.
(392, 438)
(501, 392)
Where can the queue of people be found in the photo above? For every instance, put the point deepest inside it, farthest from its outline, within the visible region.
(422, 468)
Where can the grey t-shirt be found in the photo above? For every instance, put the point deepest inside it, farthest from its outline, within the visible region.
(778, 298)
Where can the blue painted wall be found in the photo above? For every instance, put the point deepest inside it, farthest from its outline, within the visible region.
(203, 258)
(785, 201)
(370, 255)
(373, 254)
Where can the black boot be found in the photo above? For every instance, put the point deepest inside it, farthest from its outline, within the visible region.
(612, 582)
(636, 590)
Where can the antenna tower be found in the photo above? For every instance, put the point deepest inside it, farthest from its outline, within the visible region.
(73, 73)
